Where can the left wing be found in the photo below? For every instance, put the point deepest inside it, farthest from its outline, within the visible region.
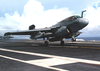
(29, 32)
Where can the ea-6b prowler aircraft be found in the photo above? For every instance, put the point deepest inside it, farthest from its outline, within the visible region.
(67, 28)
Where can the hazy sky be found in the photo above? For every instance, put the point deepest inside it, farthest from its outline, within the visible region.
(19, 14)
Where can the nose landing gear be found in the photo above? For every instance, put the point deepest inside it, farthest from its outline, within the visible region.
(73, 39)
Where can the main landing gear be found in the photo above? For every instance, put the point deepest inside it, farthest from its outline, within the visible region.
(62, 42)
(46, 43)
(73, 40)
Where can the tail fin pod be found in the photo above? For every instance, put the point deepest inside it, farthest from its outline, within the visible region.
(31, 27)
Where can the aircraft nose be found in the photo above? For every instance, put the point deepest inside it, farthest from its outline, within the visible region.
(83, 22)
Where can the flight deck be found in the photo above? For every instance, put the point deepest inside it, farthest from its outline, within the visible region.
(30, 55)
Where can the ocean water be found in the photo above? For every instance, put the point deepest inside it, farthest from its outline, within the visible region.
(89, 38)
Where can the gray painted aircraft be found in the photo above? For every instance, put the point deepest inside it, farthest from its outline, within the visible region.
(67, 28)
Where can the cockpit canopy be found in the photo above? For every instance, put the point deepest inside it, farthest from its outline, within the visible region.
(73, 17)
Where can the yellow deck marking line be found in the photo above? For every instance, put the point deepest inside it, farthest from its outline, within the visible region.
(76, 47)
(89, 47)
(60, 46)
(23, 44)
(17, 43)
(49, 61)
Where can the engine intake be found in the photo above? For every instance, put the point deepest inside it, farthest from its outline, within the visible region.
(62, 31)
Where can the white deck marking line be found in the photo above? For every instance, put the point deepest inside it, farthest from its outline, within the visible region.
(50, 62)
(32, 63)
(58, 57)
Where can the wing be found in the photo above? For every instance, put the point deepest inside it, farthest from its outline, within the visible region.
(29, 32)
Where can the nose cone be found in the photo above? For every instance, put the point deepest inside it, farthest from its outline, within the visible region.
(83, 22)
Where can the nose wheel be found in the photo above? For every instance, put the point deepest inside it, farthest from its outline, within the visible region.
(73, 39)
(62, 43)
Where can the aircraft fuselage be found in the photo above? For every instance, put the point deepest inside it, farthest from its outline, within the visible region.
(70, 25)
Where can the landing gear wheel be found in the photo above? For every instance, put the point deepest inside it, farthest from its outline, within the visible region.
(46, 43)
(62, 43)
(73, 39)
